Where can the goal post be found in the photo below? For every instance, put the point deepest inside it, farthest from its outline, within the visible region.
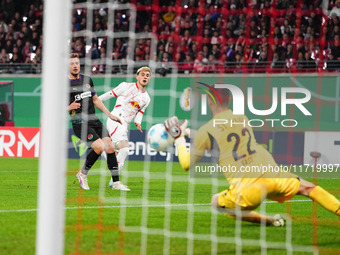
(52, 163)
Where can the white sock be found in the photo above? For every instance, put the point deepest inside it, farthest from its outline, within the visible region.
(121, 157)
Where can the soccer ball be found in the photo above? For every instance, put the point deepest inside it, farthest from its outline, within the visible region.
(158, 138)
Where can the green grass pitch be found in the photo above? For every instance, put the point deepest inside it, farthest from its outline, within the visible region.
(186, 216)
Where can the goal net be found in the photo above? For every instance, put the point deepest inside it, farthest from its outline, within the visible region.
(168, 210)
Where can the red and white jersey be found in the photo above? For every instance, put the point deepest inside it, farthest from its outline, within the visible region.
(131, 102)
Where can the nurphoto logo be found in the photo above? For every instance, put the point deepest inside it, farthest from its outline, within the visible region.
(238, 104)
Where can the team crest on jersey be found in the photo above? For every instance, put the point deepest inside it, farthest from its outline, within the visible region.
(90, 137)
(135, 104)
(88, 85)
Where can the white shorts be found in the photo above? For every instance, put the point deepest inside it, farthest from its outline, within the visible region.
(117, 131)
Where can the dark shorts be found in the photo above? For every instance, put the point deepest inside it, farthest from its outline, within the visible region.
(92, 132)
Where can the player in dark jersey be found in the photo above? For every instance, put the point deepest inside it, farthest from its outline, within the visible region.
(85, 123)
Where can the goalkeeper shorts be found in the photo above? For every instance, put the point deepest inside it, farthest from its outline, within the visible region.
(248, 196)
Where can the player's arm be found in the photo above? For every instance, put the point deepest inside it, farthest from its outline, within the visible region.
(183, 153)
(107, 95)
(178, 131)
(100, 105)
(116, 92)
(74, 105)
(139, 117)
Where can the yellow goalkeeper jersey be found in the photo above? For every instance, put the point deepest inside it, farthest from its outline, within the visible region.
(231, 140)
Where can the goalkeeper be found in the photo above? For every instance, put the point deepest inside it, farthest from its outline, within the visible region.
(236, 147)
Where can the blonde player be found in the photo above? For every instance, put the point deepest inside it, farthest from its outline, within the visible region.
(132, 100)
(237, 149)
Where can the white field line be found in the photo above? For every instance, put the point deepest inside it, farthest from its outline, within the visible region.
(138, 206)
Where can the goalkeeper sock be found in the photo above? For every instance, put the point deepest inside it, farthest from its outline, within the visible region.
(112, 164)
(91, 158)
(325, 199)
(121, 157)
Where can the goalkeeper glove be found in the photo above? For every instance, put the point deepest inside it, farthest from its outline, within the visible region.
(177, 130)
(174, 128)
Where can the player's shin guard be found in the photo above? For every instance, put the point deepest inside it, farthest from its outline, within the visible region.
(325, 199)
(90, 160)
(122, 154)
(112, 164)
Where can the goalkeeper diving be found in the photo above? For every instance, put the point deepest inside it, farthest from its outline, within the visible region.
(237, 147)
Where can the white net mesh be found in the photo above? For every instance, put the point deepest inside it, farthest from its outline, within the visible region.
(166, 211)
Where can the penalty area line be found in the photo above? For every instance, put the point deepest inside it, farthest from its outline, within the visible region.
(136, 206)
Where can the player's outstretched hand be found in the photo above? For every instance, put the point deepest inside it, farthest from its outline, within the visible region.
(174, 128)
(139, 127)
(115, 118)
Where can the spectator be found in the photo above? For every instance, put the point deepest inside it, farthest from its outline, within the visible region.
(79, 47)
(334, 32)
(4, 58)
(187, 38)
(212, 64)
(285, 25)
(120, 48)
(160, 52)
(15, 25)
(332, 64)
(310, 63)
(9, 46)
(238, 63)
(309, 33)
(146, 53)
(277, 32)
(3, 27)
(335, 49)
(335, 10)
(35, 40)
(215, 51)
(193, 50)
(95, 53)
(38, 56)
(205, 51)
(290, 52)
(115, 66)
(169, 43)
(139, 54)
(262, 62)
(18, 55)
(215, 39)
(27, 50)
(276, 62)
(179, 55)
(285, 40)
(300, 61)
(188, 64)
(164, 64)
(225, 36)
(199, 67)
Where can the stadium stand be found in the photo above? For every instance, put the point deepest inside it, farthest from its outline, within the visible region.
(199, 36)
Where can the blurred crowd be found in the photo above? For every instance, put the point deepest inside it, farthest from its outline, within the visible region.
(21, 35)
(210, 36)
